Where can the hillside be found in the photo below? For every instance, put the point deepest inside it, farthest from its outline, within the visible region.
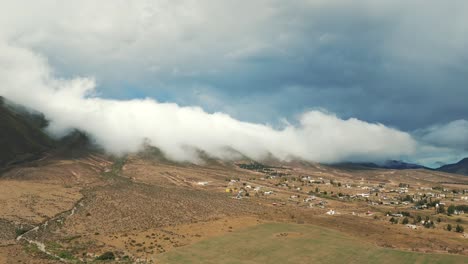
(21, 135)
(460, 167)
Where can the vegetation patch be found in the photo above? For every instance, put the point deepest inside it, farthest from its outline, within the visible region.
(261, 244)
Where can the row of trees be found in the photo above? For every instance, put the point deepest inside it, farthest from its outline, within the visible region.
(451, 209)
(427, 223)
(458, 228)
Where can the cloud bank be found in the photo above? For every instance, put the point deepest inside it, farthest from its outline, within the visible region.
(122, 126)
(399, 63)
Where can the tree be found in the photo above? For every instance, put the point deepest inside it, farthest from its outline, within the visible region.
(449, 227)
(407, 198)
(441, 209)
(451, 210)
(405, 221)
(429, 224)
(459, 229)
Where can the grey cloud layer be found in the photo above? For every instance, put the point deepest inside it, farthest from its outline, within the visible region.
(123, 126)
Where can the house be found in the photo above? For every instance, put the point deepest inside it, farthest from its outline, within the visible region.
(397, 215)
(331, 212)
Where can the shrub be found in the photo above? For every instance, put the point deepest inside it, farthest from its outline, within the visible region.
(449, 227)
(65, 255)
(405, 221)
(20, 231)
(106, 256)
(459, 229)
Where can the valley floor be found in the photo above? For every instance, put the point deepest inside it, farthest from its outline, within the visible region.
(145, 209)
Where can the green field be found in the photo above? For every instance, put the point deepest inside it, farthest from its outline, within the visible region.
(303, 244)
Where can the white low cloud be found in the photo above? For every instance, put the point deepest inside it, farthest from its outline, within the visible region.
(122, 126)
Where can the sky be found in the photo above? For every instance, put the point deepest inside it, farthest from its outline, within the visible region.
(322, 80)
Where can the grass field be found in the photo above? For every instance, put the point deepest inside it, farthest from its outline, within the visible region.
(292, 243)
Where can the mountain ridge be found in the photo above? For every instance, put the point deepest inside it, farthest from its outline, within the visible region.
(21, 135)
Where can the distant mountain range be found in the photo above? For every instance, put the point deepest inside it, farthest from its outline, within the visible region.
(389, 164)
(460, 167)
